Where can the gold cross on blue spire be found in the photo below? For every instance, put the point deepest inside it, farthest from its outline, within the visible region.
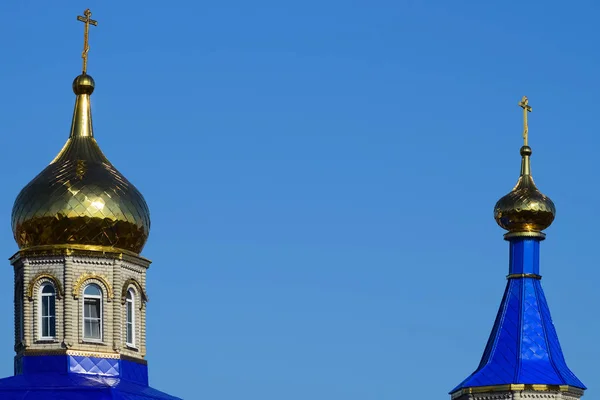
(86, 32)
(524, 104)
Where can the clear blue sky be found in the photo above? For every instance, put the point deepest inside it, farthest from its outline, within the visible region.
(321, 177)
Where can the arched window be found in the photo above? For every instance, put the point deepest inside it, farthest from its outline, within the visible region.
(92, 312)
(130, 318)
(47, 311)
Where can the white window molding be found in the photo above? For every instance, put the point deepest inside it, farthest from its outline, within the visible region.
(93, 308)
(130, 319)
(46, 311)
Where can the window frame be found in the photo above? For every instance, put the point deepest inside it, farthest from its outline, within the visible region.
(130, 302)
(41, 317)
(100, 298)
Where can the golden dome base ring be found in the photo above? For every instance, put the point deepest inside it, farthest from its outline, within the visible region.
(525, 234)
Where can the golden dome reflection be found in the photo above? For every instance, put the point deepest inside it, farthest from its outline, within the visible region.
(525, 208)
(81, 198)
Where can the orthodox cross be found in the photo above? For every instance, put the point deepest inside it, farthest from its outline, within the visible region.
(87, 20)
(524, 104)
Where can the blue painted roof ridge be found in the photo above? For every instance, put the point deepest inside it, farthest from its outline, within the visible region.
(491, 343)
(517, 376)
(550, 327)
(540, 294)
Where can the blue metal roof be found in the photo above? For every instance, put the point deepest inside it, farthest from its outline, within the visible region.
(50, 386)
(77, 377)
(523, 347)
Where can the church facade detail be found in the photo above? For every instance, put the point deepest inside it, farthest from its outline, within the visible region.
(80, 281)
(80, 301)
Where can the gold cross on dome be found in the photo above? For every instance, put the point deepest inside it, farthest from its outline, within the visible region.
(86, 32)
(524, 104)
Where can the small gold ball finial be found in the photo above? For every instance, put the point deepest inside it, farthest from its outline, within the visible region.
(83, 84)
(525, 211)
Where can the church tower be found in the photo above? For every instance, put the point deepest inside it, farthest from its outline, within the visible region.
(80, 281)
(523, 357)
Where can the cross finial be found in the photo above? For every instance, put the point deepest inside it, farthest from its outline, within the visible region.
(86, 47)
(524, 104)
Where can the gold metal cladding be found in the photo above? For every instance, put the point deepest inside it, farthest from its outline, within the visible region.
(81, 198)
(81, 124)
(44, 275)
(132, 282)
(88, 276)
(516, 388)
(525, 209)
(87, 20)
(518, 276)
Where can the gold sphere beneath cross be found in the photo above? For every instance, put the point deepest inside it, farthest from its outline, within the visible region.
(83, 84)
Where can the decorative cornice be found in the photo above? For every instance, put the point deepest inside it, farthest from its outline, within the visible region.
(81, 250)
(137, 260)
(517, 388)
(44, 352)
(131, 266)
(92, 260)
(45, 275)
(88, 276)
(96, 354)
(133, 282)
(44, 260)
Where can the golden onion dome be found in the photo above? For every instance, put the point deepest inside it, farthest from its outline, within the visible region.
(80, 199)
(525, 211)
(525, 208)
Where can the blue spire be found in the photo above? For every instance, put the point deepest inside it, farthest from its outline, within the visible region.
(523, 347)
